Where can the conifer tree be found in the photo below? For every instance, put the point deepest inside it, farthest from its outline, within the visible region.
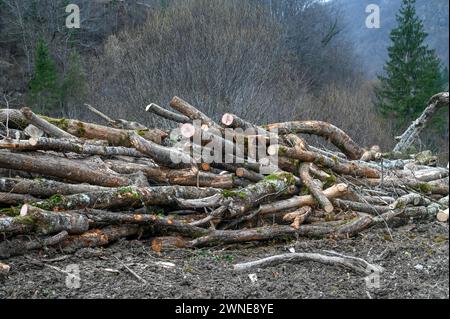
(74, 86)
(413, 72)
(44, 89)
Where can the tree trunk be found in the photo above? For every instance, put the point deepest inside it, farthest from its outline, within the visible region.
(412, 132)
(126, 197)
(45, 188)
(330, 132)
(115, 137)
(68, 146)
(168, 115)
(62, 168)
(182, 177)
(318, 194)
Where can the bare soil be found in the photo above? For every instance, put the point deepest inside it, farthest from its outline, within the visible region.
(416, 266)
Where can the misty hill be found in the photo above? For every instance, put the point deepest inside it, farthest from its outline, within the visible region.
(371, 44)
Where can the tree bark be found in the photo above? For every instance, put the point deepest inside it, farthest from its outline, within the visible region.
(191, 112)
(413, 131)
(356, 264)
(11, 199)
(68, 146)
(126, 197)
(62, 168)
(318, 194)
(115, 137)
(337, 165)
(45, 188)
(300, 201)
(346, 229)
(330, 132)
(170, 157)
(45, 126)
(17, 247)
(99, 237)
(182, 177)
(168, 115)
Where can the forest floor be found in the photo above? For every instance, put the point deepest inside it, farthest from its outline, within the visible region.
(416, 264)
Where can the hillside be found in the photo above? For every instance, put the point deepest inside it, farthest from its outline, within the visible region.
(371, 44)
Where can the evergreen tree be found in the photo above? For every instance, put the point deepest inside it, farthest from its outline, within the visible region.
(74, 86)
(413, 72)
(44, 89)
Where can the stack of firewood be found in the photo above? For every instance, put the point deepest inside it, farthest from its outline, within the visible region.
(71, 184)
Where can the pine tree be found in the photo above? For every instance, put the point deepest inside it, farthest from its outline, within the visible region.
(413, 72)
(74, 86)
(44, 89)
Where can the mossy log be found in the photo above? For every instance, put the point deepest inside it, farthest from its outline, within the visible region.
(41, 222)
(126, 197)
(44, 125)
(115, 137)
(45, 188)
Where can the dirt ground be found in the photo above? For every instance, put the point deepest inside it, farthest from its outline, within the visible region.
(416, 265)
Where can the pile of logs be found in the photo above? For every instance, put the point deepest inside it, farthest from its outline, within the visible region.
(70, 184)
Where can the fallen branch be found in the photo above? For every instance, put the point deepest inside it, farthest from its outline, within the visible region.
(356, 264)
(413, 131)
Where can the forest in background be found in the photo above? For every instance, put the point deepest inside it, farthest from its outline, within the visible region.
(265, 60)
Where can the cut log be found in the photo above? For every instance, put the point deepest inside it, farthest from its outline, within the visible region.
(361, 207)
(4, 269)
(234, 121)
(410, 199)
(168, 115)
(330, 132)
(345, 229)
(271, 187)
(11, 199)
(66, 146)
(160, 244)
(182, 177)
(45, 188)
(300, 201)
(126, 197)
(337, 165)
(99, 237)
(318, 194)
(115, 137)
(15, 117)
(191, 112)
(62, 168)
(250, 175)
(442, 216)
(41, 222)
(159, 224)
(435, 187)
(44, 125)
(298, 217)
(17, 247)
(170, 157)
